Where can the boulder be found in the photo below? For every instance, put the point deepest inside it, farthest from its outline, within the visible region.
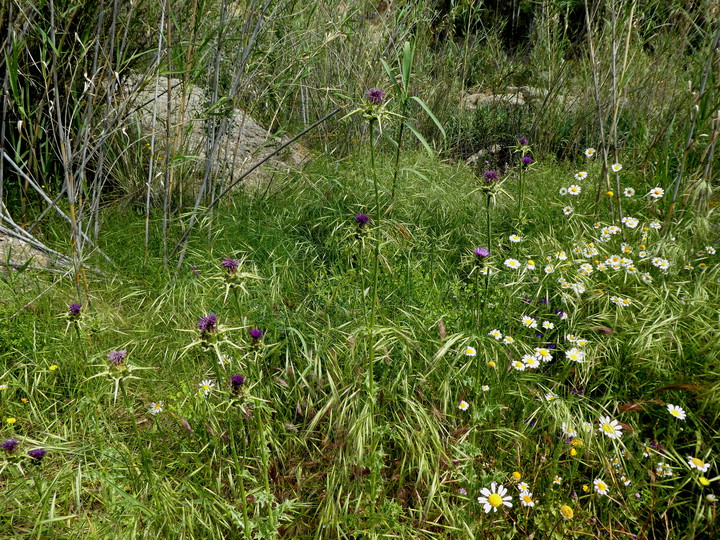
(243, 140)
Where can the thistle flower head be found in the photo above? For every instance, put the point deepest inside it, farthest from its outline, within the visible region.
(117, 358)
(10, 445)
(481, 252)
(256, 334)
(236, 382)
(37, 453)
(74, 310)
(207, 324)
(527, 160)
(523, 140)
(361, 220)
(376, 96)
(491, 176)
(231, 265)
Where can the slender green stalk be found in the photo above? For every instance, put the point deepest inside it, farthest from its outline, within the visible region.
(374, 297)
(397, 150)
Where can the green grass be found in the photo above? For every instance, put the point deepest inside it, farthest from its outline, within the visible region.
(310, 452)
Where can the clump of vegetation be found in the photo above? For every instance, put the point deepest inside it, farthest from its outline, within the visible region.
(385, 341)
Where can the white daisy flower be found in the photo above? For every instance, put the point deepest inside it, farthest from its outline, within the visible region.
(568, 431)
(496, 334)
(528, 322)
(574, 190)
(698, 464)
(601, 488)
(530, 361)
(509, 340)
(589, 152)
(676, 411)
(655, 225)
(512, 263)
(224, 360)
(549, 269)
(156, 407)
(547, 325)
(526, 499)
(485, 388)
(514, 238)
(630, 222)
(494, 498)
(616, 167)
(582, 175)
(575, 354)
(567, 210)
(206, 387)
(656, 192)
(470, 351)
(518, 364)
(628, 192)
(463, 405)
(611, 428)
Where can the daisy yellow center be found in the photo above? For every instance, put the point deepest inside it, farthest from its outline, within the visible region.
(601, 486)
(675, 412)
(697, 462)
(495, 500)
(158, 406)
(527, 498)
(567, 511)
(608, 428)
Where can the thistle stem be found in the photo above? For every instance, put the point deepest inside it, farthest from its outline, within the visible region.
(376, 257)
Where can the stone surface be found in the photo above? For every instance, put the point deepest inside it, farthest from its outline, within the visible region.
(18, 252)
(244, 143)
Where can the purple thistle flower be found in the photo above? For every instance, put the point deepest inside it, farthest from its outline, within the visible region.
(491, 176)
(74, 310)
(231, 265)
(236, 381)
(256, 334)
(376, 96)
(527, 160)
(523, 140)
(37, 453)
(481, 252)
(195, 270)
(117, 358)
(10, 445)
(207, 324)
(361, 220)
